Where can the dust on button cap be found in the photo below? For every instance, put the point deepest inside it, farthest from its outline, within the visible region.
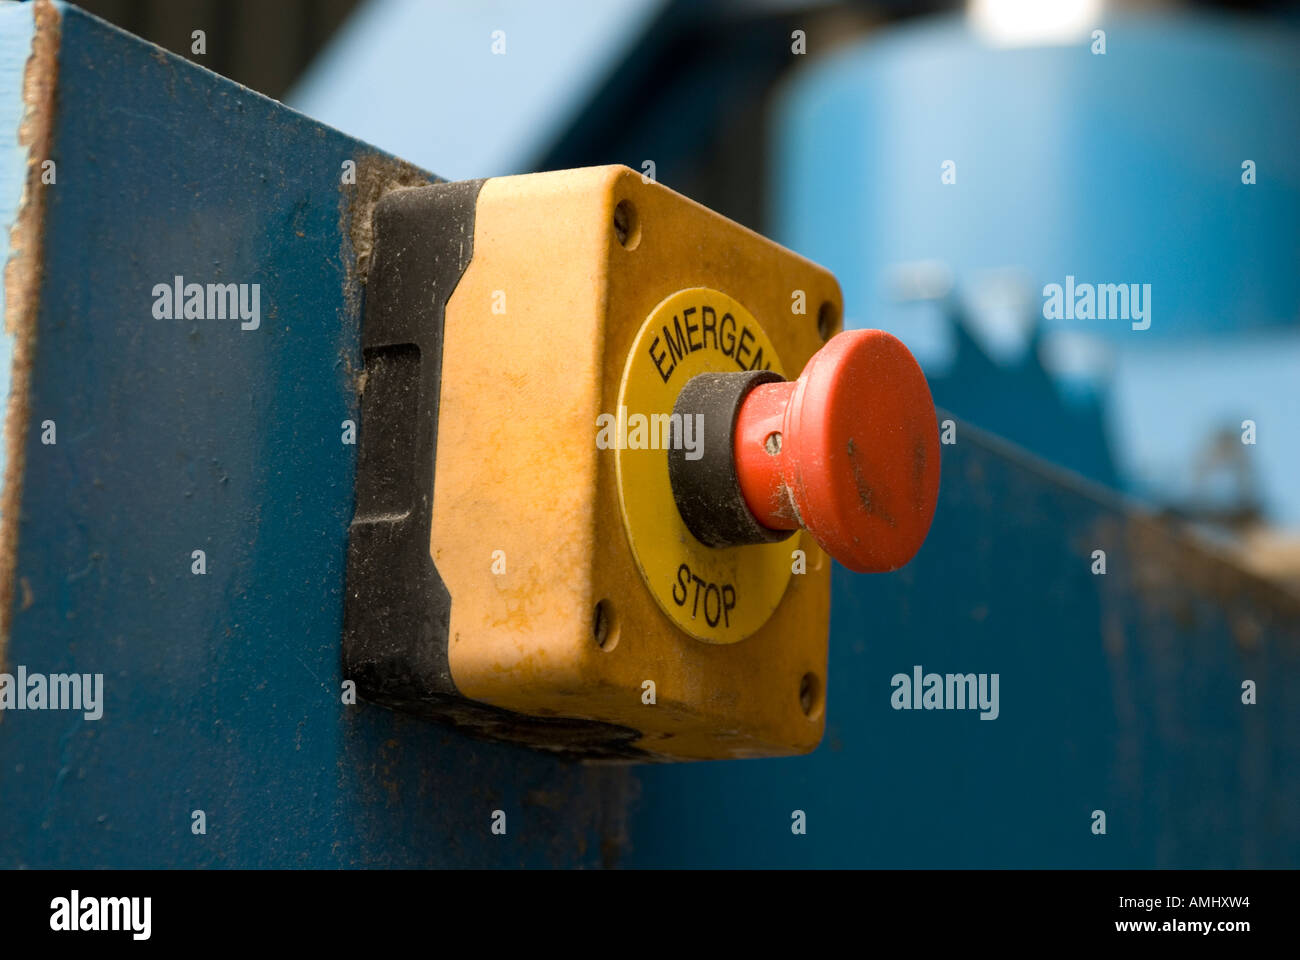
(849, 452)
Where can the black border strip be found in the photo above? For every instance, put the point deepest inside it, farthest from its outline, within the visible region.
(397, 609)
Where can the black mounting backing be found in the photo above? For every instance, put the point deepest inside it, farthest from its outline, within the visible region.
(707, 490)
(397, 608)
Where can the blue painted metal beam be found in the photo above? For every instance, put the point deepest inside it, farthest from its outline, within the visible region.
(1119, 692)
(222, 691)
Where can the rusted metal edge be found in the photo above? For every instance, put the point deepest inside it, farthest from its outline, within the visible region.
(22, 277)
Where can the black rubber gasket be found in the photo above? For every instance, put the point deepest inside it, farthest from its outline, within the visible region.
(397, 609)
(707, 490)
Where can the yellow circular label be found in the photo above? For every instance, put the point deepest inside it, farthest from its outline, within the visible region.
(718, 595)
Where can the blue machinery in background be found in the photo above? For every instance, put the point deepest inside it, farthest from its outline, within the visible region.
(1119, 692)
(1119, 167)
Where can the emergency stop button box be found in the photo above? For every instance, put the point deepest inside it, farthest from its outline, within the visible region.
(518, 560)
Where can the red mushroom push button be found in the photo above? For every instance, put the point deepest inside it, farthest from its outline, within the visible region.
(849, 452)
